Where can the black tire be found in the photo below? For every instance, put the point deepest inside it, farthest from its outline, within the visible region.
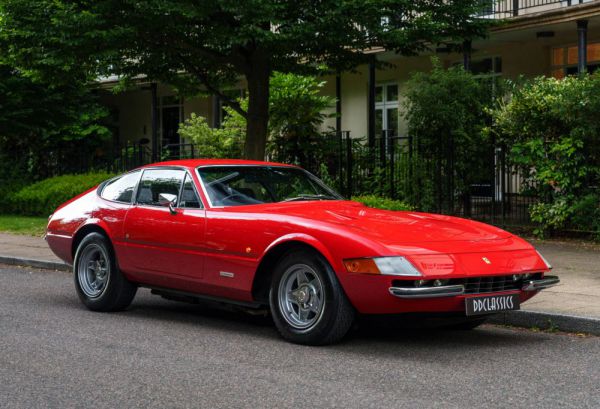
(115, 292)
(336, 315)
(467, 325)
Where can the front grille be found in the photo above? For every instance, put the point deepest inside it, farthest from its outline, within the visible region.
(478, 285)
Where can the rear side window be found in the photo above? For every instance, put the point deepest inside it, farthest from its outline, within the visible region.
(159, 181)
(121, 189)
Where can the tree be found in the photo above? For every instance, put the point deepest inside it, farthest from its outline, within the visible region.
(295, 115)
(36, 117)
(213, 43)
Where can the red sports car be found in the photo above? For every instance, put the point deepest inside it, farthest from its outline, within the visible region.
(268, 235)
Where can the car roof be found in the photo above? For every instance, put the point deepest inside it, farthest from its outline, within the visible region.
(194, 163)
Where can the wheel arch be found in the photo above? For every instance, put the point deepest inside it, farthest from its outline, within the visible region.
(90, 227)
(274, 253)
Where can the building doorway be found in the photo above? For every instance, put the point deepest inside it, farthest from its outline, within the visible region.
(171, 114)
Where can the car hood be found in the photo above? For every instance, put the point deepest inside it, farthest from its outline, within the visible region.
(394, 227)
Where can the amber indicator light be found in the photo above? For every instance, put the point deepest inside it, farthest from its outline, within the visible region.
(361, 265)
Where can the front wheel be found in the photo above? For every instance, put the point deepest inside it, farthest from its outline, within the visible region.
(99, 283)
(307, 302)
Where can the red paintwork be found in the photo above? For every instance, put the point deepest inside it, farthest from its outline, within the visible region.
(187, 251)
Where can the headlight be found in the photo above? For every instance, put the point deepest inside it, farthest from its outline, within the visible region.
(393, 266)
(545, 261)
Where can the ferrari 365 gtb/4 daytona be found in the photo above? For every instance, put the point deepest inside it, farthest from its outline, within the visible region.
(268, 235)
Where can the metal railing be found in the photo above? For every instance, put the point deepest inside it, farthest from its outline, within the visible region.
(180, 151)
(395, 167)
(499, 9)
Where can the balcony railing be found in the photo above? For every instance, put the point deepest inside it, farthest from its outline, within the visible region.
(499, 9)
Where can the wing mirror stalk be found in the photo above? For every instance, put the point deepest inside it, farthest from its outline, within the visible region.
(168, 200)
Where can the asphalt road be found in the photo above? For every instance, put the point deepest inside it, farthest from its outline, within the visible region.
(55, 353)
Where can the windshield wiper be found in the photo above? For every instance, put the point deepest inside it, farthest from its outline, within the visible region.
(308, 197)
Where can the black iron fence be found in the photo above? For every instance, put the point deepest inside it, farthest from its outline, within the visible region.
(512, 8)
(396, 167)
(83, 157)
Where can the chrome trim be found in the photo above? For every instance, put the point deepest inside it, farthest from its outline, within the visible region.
(544, 260)
(427, 292)
(536, 285)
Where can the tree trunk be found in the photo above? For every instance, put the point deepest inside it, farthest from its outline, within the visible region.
(258, 109)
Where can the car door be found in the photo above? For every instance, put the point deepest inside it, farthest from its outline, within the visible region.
(166, 240)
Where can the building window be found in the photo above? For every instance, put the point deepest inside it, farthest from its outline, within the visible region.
(488, 71)
(386, 109)
(564, 60)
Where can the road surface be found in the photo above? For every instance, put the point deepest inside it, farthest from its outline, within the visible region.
(55, 353)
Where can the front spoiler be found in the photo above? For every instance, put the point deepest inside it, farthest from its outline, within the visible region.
(454, 290)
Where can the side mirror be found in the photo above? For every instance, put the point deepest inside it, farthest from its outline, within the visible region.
(168, 200)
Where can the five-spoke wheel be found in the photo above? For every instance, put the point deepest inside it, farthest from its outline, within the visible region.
(92, 270)
(307, 302)
(98, 281)
(301, 296)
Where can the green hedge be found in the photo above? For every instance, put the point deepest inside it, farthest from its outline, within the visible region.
(382, 203)
(42, 198)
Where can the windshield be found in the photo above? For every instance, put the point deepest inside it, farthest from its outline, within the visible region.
(245, 185)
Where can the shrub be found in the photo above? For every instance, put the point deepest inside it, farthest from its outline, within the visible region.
(296, 112)
(552, 130)
(42, 198)
(585, 214)
(224, 142)
(446, 110)
(382, 203)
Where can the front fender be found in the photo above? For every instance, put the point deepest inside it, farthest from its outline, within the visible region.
(308, 240)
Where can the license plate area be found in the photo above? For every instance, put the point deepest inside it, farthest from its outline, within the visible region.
(490, 304)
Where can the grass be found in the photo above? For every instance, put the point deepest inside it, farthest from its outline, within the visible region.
(33, 226)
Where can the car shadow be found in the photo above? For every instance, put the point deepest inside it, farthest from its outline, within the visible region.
(366, 337)
(365, 332)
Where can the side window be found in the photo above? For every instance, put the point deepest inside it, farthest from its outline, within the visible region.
(189, 198)
(159, 181)
(121, 189)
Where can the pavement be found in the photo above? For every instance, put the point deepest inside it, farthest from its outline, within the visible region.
(572, 306)
(54, 353)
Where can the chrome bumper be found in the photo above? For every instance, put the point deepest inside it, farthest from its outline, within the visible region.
(536, 285)
(427, 292)
(454, 290)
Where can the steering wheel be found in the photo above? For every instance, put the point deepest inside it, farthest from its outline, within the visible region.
(231, 196)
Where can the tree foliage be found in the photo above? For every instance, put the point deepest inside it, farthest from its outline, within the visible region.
(224, 142)
(215, 43)
(37, 118)
(446, 112)
(552, 129)
(296, 113)
(297, 110)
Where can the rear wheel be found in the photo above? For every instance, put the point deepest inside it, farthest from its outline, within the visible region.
(99, 283)
(307, 302)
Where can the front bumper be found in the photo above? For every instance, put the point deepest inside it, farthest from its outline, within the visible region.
(454, 290)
